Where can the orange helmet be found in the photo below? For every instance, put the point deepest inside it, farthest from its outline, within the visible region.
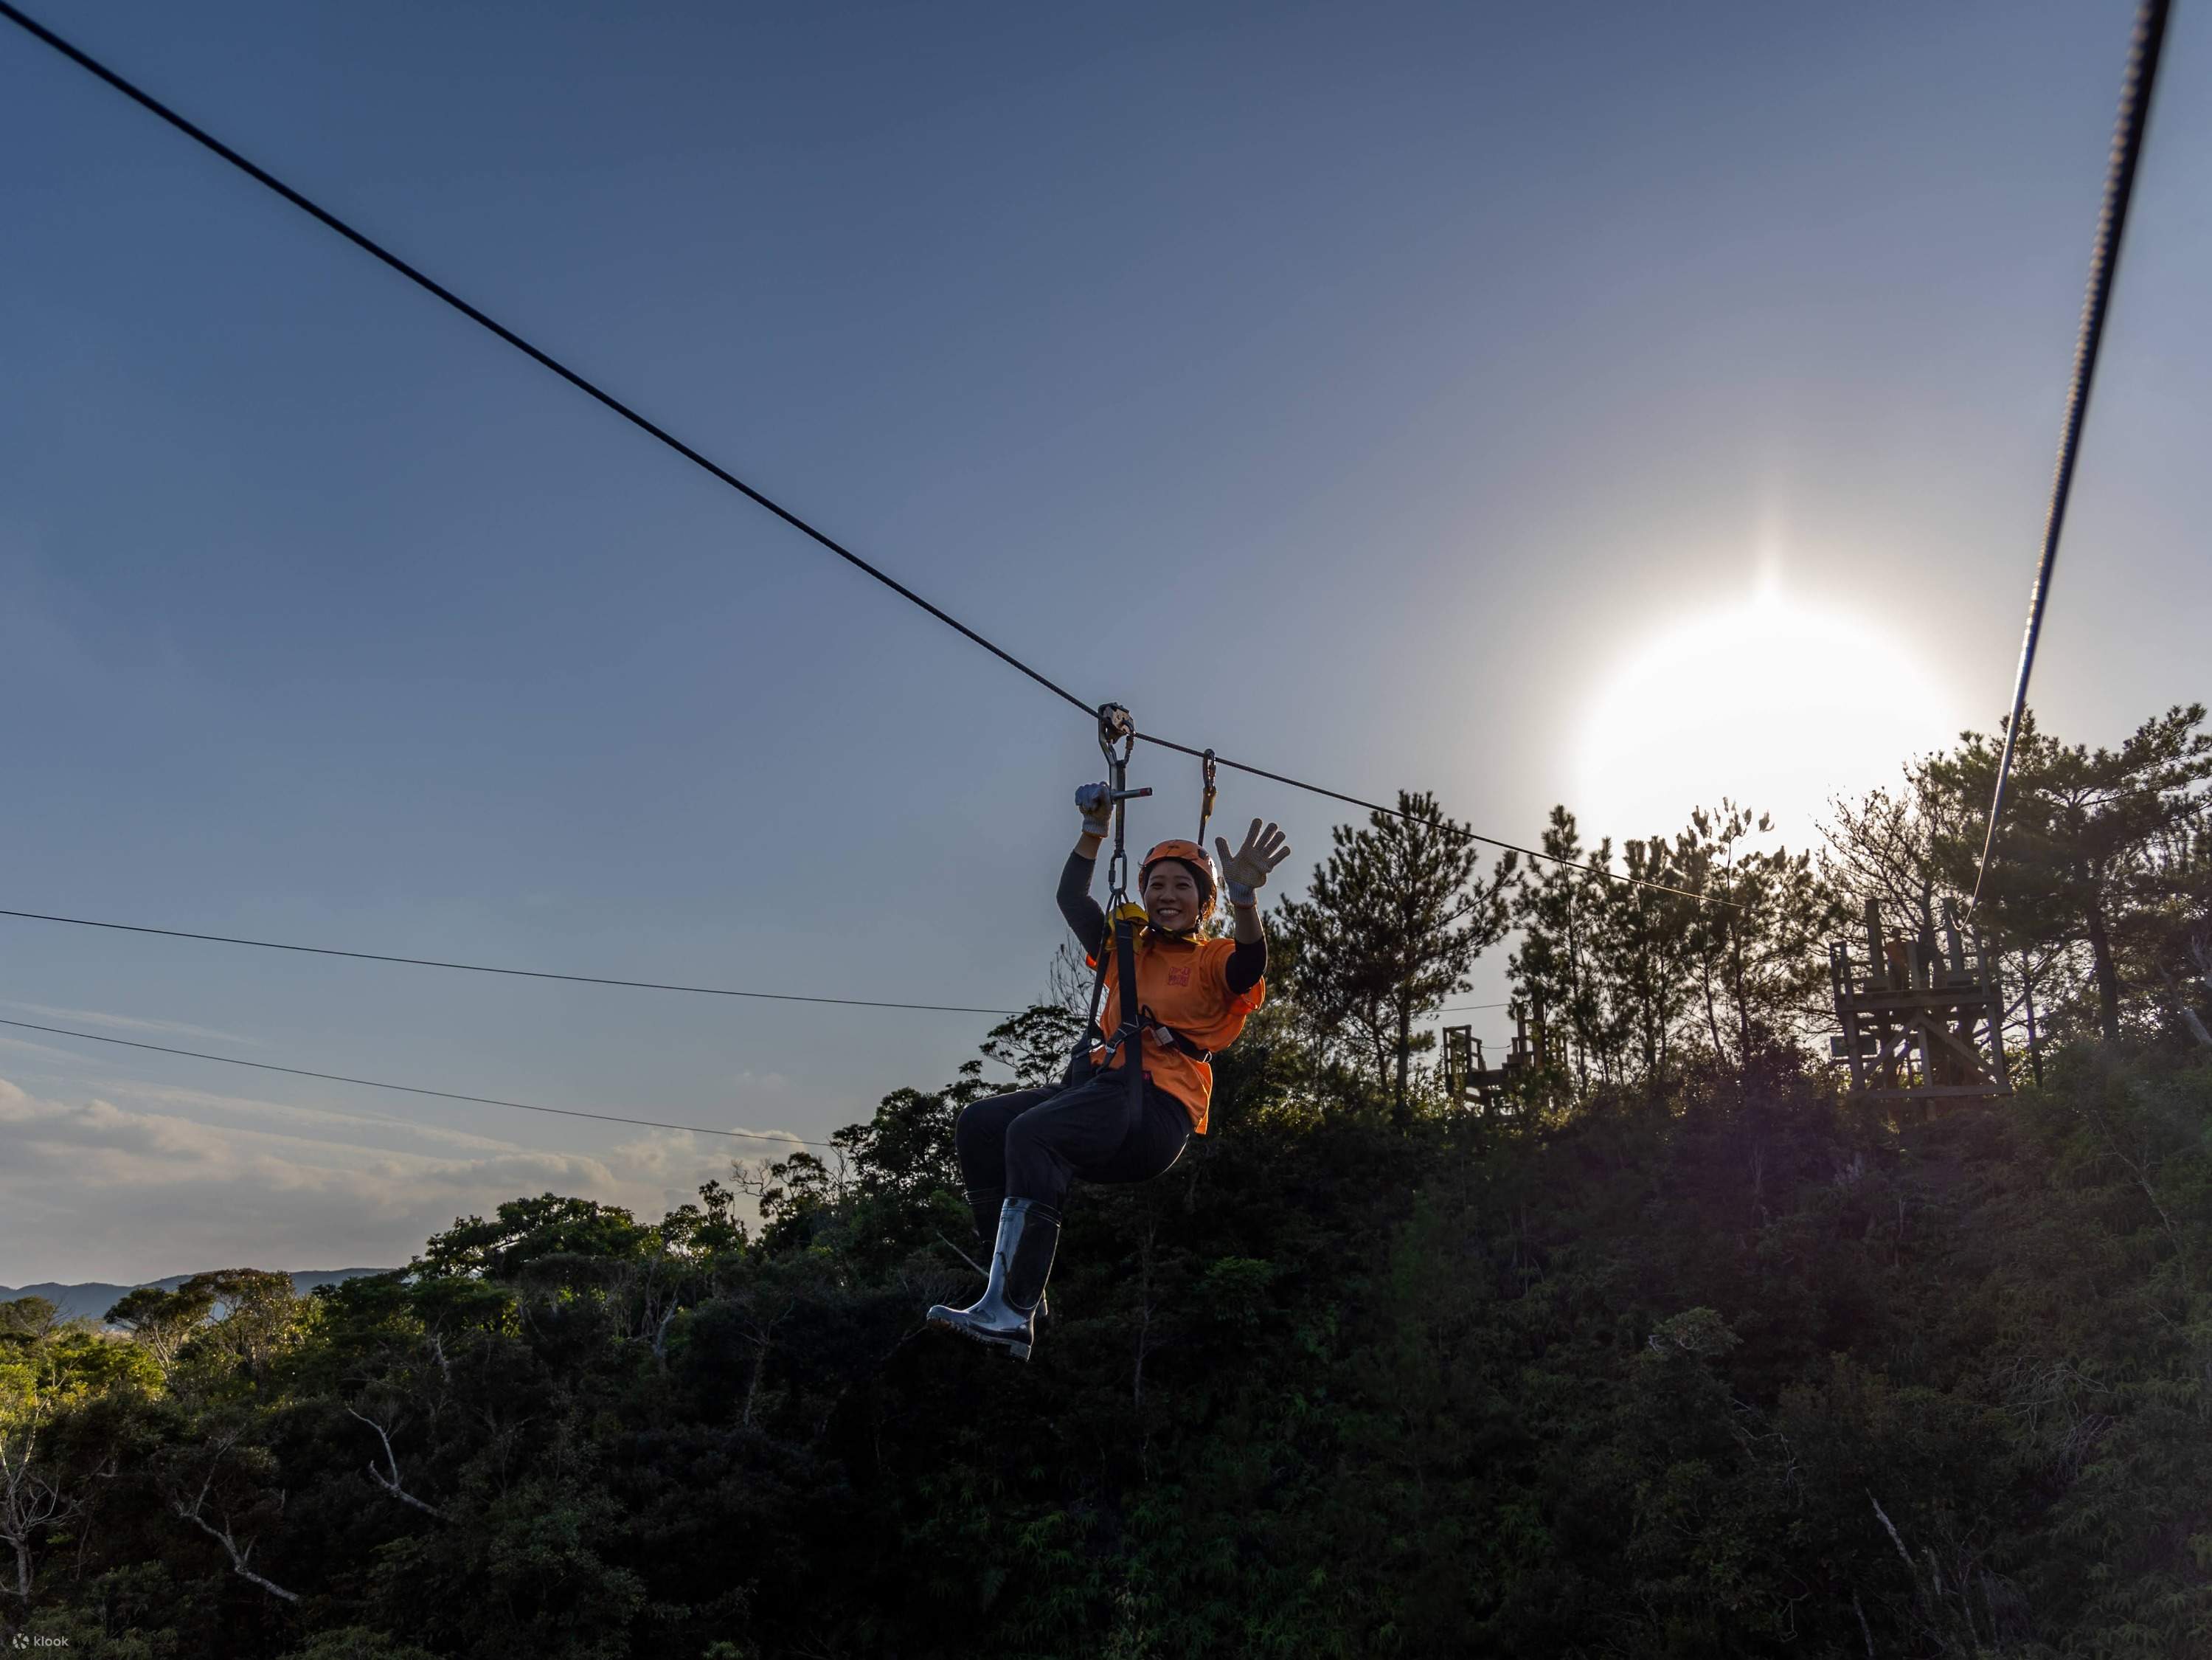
(1183, 852)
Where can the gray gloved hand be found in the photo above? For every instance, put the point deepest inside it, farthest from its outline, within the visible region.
(1248, 868)
(1097, 803)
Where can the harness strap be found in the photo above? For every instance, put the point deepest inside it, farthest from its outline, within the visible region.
(1166, 1035)
(1125, 963)
(1169, 1037)
(1114, 726)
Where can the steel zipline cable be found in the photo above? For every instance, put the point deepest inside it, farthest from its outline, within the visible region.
(2136, 88)
(413, 1089)
(520, 974)
(1443, 825)
(368, 244)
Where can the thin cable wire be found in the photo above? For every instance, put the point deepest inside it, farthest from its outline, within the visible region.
(541, 974)
(520, 974)
(261, 175)
(1434, 824)
(411, 1089)
(2136, 89)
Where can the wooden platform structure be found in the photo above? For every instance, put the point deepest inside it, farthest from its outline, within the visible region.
(1468, 1077)
(1503, 1088)
(1923, 1019)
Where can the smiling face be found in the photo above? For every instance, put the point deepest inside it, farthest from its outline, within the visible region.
(1173, 899)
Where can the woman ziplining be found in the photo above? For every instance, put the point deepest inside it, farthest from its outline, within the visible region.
(1177, 996)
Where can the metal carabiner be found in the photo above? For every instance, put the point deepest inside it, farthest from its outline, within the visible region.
(1117, 725)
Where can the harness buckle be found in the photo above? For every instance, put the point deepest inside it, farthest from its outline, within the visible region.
(1169, 1038)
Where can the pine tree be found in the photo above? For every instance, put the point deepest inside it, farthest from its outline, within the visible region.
(1395, 918)
(1755, 944)
(2081, 845)
(1555, 905)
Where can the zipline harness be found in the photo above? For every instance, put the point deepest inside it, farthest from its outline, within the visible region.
(1115, 725)
(1138, 1021)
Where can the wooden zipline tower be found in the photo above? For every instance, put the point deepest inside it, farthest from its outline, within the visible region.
(1503, 1088)
(1925, 1018)
(1468, 1076)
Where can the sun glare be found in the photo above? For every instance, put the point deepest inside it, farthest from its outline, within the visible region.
(1776, 706)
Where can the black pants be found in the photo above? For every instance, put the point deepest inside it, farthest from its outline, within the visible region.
(1031, 1144)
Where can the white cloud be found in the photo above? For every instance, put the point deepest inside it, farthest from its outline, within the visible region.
(132, 1023)
(669, 1153)
(98, 1190)
(44, 1051)
(171, 1095)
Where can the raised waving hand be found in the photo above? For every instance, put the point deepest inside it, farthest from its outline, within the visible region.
(1249, 866)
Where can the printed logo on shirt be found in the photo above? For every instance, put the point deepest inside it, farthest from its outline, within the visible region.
(1178, 977)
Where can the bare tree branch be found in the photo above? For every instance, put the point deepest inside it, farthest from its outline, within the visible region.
(239, 1557)
(391, 1484)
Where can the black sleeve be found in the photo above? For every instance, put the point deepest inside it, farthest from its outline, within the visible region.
(1248, 965)
(1084, 914)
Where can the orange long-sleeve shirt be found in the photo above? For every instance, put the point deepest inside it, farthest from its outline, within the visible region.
(1189, 984)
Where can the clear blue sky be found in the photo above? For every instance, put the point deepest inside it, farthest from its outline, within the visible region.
(1345, 387)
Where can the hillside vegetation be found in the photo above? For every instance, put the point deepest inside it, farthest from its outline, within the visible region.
(1680, 1352)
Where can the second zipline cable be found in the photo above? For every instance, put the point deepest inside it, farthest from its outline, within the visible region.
(2136, 88)
(486, 968)
(411, 1089)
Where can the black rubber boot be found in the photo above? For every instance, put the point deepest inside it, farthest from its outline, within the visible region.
(983, 1205)
(1005, 1317)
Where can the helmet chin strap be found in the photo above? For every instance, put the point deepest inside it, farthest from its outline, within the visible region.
(1151, 926)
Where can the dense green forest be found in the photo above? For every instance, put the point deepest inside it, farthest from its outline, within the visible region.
(1678, 1351)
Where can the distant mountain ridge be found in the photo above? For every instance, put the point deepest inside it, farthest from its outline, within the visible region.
(93, 1299)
